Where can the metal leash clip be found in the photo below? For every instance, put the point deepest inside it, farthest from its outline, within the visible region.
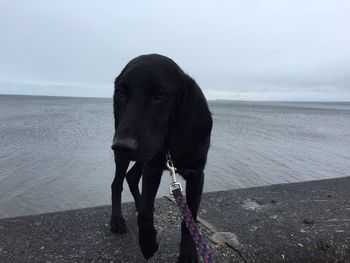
(174, 184)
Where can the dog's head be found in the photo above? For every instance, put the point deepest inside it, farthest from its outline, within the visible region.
(152, 95)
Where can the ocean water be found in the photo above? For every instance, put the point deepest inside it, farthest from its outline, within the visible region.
(55, 152)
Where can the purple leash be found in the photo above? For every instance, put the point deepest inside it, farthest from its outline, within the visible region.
(192, 226)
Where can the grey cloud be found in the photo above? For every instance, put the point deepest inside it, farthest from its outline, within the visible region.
(241, 49)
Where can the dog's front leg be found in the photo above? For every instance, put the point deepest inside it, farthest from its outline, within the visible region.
(147, 233)
(133, 177)
(194, 189)
(117, 223)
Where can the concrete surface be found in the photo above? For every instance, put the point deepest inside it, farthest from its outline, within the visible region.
(301, 222)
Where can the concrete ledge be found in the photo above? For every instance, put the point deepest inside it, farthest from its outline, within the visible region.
(301, 222)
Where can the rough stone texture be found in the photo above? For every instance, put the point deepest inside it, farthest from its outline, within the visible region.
(302, 222)
(83, 236)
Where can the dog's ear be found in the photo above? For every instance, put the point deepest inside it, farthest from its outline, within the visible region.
(115, 103)
(193, 121)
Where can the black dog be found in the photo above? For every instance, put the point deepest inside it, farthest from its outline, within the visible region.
(158, 109)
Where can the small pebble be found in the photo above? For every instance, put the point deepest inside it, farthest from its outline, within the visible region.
(309, 221)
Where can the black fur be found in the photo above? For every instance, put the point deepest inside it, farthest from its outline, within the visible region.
(158, 108)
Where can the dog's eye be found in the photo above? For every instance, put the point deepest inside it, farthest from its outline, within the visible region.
(160, 95)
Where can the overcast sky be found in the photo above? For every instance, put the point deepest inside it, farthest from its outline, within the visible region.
(245, 50)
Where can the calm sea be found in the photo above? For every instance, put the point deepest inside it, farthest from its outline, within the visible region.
(55, 152)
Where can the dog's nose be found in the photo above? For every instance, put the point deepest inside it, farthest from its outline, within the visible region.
(124, 145)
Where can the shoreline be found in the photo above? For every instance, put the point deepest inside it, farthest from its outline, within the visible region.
(295, 222)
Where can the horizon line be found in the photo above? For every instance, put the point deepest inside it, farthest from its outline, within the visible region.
(210, 100)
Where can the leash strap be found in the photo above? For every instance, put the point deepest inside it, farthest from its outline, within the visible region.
(192, 226)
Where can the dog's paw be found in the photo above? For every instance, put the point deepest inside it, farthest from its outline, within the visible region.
(118, 225)
(188, 258)
(148, 242)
